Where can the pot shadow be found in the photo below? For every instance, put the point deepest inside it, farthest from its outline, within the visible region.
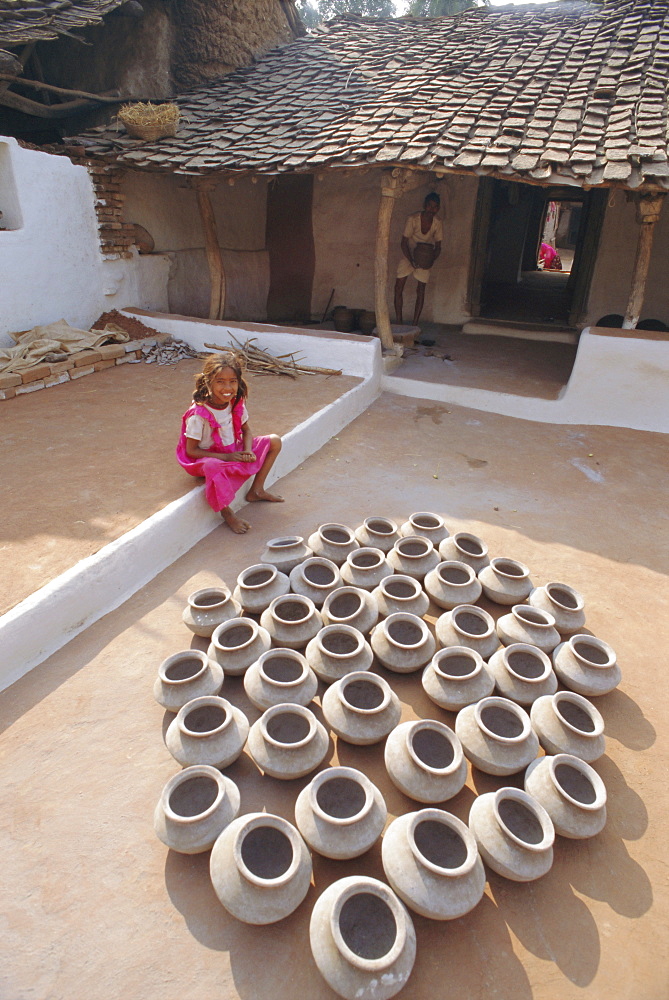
(626, 811)
(624, 721)
(602, 869)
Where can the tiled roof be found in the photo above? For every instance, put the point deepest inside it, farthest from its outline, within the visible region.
(564, 92)
(23, 21)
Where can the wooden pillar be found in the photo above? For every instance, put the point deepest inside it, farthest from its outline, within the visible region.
(391, 188)
(214, 259)
(648, 213)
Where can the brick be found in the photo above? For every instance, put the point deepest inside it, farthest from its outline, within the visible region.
(136, 345)
(101, 365)
(84, 358)
(35, 373)
(61, 366)
(30, 387)
(124, 360)
(7, 393)
(7, 381)
(79, 372)
(56, 379)
(111, 351)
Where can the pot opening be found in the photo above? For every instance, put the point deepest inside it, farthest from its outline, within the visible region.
(193, 796)
(440, 844)
(183, 669)
(401, 589)
(413, 547)
(470, 623)
(362, 694)
(593, 654)
(575, 716)
(508, 567)
(379, 526)
(459, 665)
(236, 636)
(405, 633)
(525, 664)
(432, 748)
(367, 925)
(337, 535)
(283, 669)
(521, 821)
(267, 852)
(345, 605)
(575, 783)
(291, 611)
(288, 727)
(451, 574)
(205, 719)
(319, 575)
(501, 721)
(365, 560)
(469, 545)
(341, 797)
(339, 642)
(208, 599)
(257, 578)
(560, 595)
(277, 543)
(531, 616)
(428, 521)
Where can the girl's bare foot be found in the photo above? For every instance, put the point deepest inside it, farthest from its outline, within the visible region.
(236, 524)
(254, 494)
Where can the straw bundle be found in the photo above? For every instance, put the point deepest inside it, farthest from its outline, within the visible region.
(259, 362)
(149, 121)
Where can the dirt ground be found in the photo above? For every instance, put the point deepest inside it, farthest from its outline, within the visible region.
(95, 906)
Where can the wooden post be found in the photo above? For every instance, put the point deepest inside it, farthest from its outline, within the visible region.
(214, 259)
(391, 188)
(648, 213)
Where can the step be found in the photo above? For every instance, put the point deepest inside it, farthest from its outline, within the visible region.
(521, 331)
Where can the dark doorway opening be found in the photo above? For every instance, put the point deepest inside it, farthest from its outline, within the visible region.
(290, 244)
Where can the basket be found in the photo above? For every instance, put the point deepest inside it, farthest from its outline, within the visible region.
(423, 255)
(149, 121)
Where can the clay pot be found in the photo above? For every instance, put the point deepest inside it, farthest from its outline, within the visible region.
(432, 862)
(280, 677)
(184, 676)
(343, 319)
(399, 593)
(361, 708)
(351, 606)
(403, 643)
(258, 585)
(333, 541)
(424, 760)
(315, 578)
(505, 581)
(466, 548)
(496, 736)
(455, 677)
(525, 624)
(468, 626)
(238, 643)
(207, 608)
(207, 730)
(340, 813)
(587, 665)
(427, 525)
(292, 620)
(338, 650)
(362, 939)
(567, 723)
(564, 603)
(288, 742)
(413, 556)
(365, 568)
(367, 322)
(514, 834)
(522, 673)
(377, 533)
(194, 807)
(260, 868)
(571, 792)
(452, 583)
(285, 553)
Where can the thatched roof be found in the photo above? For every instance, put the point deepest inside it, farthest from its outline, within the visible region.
(566, 93)
(23, 21)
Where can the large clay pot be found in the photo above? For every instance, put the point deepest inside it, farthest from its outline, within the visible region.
(398, 593)
(292, 620)
(587, 665)
(432, 862)
(207, 730)
(258, 585)
(413, 556)
(280, 677)
(571, 792)
(338, 650)
(365, 568)
(260, 868)
(496, 736)
(194, 807)
(514, 834)
(377, 533)
(455, 677)
(424, 759)
(351, 606)
(567, 723)
(525, 624)
(288, 742)
(315, 578)
(466, 548)
(403, 643)
(340, 813)
(362, 939)
(333, 541)
(184, 676)
(452, 583)
(427, 525)
(361, 708)
(522, 673)
(286, 552)
(505, 581)
(238, 643)
(207, 608)
(468, 626)
(564, 603)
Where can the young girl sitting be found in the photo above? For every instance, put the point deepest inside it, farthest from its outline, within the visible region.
(216, 440)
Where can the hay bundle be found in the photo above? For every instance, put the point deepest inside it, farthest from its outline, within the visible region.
(149, 121)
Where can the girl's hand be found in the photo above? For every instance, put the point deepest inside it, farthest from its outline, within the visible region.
(248, 456)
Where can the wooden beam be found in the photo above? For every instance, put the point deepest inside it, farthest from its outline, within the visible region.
(214, 259)
(66, 92)
(648, 213)
(392, 186)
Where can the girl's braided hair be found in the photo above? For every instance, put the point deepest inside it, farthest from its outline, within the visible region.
(214, 364)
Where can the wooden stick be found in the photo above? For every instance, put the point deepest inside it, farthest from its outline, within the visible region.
(214, 259)
(648, 213)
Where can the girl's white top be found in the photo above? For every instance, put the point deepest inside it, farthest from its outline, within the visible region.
(198, 428)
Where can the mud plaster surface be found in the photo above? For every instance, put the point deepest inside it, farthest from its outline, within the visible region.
(95, 906)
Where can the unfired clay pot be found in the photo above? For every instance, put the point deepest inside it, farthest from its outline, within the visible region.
(238, 643)
(466, 548)
(315, 578)
(260, 868)
(333, 541)
(455, 677)
(522, 673)
(258, 585)
(377, 532)
(280, 677)
(424, 759)
(361, 708)
(452, 583)
(338, 650)
(292, 620)
(365, 568)
(528, 625)
(505, 581)
(288, 742)
(362, 939)
(401, 593)
(496, 736)
(514, 834)
(468, 626)
(351, 606)
(194, 807)
(567, 723)
(427, 525)
(403, 643)
(285, 553)
(340, 813)
(207, 730)
(209, 607)
(432, 862)
(571, 792)
(587, 665)
(413, 556)
(184, 676)
(564, 603)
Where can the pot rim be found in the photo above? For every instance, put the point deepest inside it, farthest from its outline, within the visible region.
(588, 772)
(330, 775)
(232, 623)
(365, 548)
(365, 885)
(411, 540)
(308, 604)
(444, 731)
(340, 527)
(459, 565)
(194, 606)
(592, 640)
(478, 613)
(426, 513)
(348, 630)
(518, 613)
(374, 680)
(196, 703)
(251, 569)
(509, 706)
(251, 822)
(291, 654)
(418, 590)
(526, 647)
(319, 561)
(471, 537)
(339, 592)
(284, 541)
(378, 517)
(189, 773)
(287, 708)
(494, 564)
(580, 601)
(455, 824)
(583, 703)
(403, 616)
(449, 651)
(196, 654)
(535, 807)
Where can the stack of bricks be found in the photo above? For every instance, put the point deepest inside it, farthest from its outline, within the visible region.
(116, 236)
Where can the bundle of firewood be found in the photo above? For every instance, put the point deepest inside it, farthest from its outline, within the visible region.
(256, 361)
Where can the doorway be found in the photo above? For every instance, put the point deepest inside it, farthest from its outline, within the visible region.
(290, 244)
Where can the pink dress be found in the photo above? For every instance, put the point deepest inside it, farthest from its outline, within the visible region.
(222, 479)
